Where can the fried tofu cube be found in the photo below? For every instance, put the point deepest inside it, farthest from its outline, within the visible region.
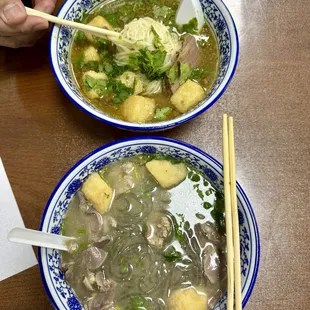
(100, 22)
(187, 96)
(166, 173)
(138, 109)
(188, 299)
(98, 192)
(91, 54)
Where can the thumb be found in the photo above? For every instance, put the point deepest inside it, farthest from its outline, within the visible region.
(12, 12)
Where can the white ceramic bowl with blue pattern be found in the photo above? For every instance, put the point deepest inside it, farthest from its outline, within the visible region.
(60, 292)
(224, 30)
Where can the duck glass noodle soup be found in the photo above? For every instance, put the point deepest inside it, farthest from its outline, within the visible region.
(167, 71)
(139, 244)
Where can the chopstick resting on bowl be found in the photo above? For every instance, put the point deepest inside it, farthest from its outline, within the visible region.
(231, 217)
(56, 20)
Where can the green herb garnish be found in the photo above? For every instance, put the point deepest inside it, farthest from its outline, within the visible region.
(79, 37)
(207, 205)
(185, 72)
(199, 73)
(195, 178)
(173, 73)
(171, 255)
(200, 216)
(177, 231)
(199, 191)
(137, 303)
(151, 63)
(162, 113)
(191, 26)
(218, 212)
(81, 231)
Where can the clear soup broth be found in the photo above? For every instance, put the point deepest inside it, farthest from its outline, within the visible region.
(159, 244)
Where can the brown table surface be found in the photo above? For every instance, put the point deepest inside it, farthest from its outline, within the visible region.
(43, 134)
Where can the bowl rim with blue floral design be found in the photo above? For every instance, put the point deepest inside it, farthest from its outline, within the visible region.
(225, 32)
(59, 292)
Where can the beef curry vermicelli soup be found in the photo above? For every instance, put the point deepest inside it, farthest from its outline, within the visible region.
(150, 235)
(168, 70)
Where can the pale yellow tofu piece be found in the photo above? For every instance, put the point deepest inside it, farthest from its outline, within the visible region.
(166, 173)
(98, 192)
(91, 54)
(138, 109)
(92, 94)
(188, 299)
(100, 22)
(187, 96)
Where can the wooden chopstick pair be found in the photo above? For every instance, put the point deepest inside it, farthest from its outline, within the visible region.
(231, 216)
(56, 20)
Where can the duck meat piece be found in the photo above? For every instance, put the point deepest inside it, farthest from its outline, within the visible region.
(82, 201)
(96, 219)
(158, 229)
(211, 264)
(190, 52)
(174, 87)
(93, 258)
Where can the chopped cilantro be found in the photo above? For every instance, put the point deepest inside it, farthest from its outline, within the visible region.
(80, 36)
(195, 178)
(199, 191)
(181, 216)
(185, 72)
(157, 42)
(177, 231)
(151, 63)
(218, 212)
(81, 231)
(114, 88)
(209, 191)
(198, 73)
(113, 70)
(161, 12)
(207, 205)
(100, 42)
(165, 14)
(82, 246)
(171, 255)
(137, 303)
(191, 26)
(121, 92)
(91, 65)
(162, 113)
(200, 216)
(90, 82)
(80, 61)
(173, 74)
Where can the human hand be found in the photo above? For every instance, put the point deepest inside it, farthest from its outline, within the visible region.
(17, 29)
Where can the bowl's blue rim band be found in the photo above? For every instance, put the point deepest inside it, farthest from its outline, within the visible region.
(150, 128)
(257, 256)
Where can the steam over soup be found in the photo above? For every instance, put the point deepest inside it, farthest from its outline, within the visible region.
(150, 235)
(167, 72)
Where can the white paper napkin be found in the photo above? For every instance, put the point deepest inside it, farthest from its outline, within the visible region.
(14, 257)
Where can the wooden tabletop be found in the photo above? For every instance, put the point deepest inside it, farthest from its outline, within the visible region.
(43, 134)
